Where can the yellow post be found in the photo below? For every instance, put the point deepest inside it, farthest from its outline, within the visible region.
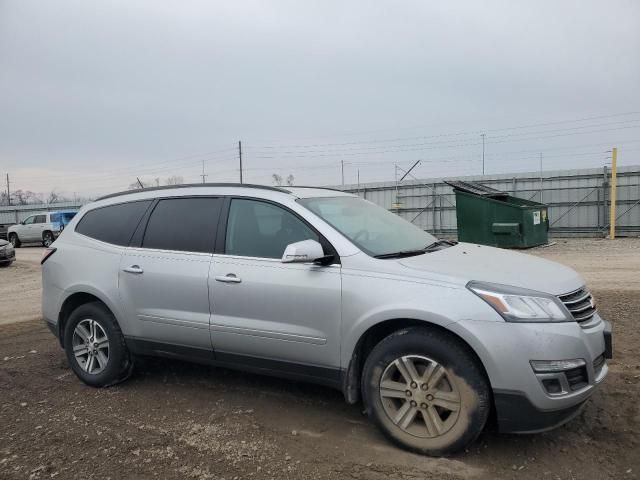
(612, 197)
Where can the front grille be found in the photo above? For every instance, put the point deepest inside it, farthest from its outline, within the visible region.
(580, 303)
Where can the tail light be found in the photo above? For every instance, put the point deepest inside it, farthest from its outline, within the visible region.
(46, 254)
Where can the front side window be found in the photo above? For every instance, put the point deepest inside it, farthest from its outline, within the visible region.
(371, 228)
(183, 224)
(30, 220)
(260, 229)
(113, 224)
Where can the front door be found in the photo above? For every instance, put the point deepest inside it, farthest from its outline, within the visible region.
(263, 309)
(163, 282)
(26, 231)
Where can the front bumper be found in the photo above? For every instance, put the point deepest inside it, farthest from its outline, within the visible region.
(7, 258)
(516, 414)
(523, 399)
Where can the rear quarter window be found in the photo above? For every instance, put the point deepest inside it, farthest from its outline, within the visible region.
(113, 224)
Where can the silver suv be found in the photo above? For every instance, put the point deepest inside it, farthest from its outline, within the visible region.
(42, 227)
(323, 286)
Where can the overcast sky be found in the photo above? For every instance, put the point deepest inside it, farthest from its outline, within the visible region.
(93, 94)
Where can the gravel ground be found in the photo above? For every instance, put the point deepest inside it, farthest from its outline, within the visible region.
(177, 420)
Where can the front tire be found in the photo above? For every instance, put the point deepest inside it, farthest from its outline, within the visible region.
(95, 346)
(426, 391)
(14, 240)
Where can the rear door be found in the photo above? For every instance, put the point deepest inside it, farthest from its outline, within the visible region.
(163, 278)
(39, 226)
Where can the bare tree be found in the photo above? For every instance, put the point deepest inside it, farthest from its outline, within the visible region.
(174, 180)
(277, 179)
(53, 197)
(290, 180)
(23, 197)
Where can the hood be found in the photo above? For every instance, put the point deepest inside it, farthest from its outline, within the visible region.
(3, 243)
(465, 262)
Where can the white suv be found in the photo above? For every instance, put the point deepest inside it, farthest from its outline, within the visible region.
(41, 227)
(323, 286)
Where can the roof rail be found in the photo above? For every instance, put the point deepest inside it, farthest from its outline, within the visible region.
(193, 185)
(319, 188)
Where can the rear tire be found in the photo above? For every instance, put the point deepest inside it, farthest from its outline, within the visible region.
(14, 240)
(47, 239)
(426, 391)
(95, 346)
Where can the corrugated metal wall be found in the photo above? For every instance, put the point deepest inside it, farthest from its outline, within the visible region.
(577, 199)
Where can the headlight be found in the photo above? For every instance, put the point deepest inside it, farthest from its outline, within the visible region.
(521, 305)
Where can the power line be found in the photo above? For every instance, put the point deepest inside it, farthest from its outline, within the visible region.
(429, 146)
(368, 149)
(468, 132)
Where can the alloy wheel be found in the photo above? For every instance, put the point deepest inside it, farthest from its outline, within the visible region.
(91, 346)
(420, 396)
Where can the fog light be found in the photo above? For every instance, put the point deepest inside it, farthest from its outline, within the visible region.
(552, 386)
(550, 366)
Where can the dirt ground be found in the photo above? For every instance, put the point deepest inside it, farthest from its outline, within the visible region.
(177, 420)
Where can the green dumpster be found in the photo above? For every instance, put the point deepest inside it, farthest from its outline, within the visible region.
(491, 217)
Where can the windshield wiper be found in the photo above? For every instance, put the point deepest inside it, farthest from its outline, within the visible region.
(440, 243)
(411, 253)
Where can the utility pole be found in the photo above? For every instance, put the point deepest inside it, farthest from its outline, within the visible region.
(483, 135)
(342, 169)
(612, 199)
(203, 174)
(358, 181)
(240, 156)
(8, 191)
(541, 177)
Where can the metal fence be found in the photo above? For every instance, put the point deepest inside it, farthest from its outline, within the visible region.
(578, 200)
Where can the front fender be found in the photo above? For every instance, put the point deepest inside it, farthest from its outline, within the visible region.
(382, 314)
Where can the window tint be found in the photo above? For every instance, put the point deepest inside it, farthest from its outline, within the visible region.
(185, 224)
(259, 229)
(113, 224)
(40, 219)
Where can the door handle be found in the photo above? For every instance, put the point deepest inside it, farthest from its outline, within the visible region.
(133, 269)
(228, 278)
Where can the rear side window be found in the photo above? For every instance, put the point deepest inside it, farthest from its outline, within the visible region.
(183, 224)
(40, 219)
(113, 224)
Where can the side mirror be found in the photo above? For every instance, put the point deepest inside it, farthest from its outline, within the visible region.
(303, 252)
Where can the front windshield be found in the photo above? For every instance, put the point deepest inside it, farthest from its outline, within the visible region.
(371, 228)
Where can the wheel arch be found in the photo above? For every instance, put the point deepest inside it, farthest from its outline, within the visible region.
(376, 333)
(73, 301)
